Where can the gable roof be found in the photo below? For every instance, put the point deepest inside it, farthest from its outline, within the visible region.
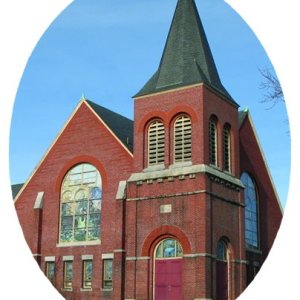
(15, 188)
(187, 58)
(121, 126)
(242, 116)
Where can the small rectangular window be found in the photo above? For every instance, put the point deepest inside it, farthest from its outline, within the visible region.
(87, 274)
(68, 274)
(107, 273)
(50, 270)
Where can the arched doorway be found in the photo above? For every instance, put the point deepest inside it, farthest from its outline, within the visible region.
(168, 265)
(222, 271)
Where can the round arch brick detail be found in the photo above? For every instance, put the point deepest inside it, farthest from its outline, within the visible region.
(152, 116)
(161, 233)
(182, 109)
(78, 160)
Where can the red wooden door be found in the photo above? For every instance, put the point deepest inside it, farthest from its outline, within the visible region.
(168, 279)
(222, 280)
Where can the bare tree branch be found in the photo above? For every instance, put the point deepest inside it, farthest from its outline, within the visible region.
(271, 86)
(273, 91)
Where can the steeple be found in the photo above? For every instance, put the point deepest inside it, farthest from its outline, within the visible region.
(187, 58)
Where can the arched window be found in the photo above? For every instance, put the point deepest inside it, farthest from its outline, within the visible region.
(156, 143)
(213, 141)
(251, 211)
(182, 139)
(80, 205)
(222, 250)
(226, 148)
(222, 271)
(169, 248)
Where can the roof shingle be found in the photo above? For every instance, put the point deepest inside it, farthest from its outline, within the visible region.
(121, 126)
(187, 58)
(15, 188)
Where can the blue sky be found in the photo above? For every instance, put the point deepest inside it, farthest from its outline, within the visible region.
(107, 50)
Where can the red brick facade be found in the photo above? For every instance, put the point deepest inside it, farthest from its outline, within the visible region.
(205, 204)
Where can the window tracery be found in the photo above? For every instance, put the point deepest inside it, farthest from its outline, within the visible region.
(169, 248)
(80, 207)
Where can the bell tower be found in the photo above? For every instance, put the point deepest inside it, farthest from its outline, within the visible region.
(185, 190)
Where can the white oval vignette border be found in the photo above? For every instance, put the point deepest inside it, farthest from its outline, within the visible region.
(23, 23)
(275, 24)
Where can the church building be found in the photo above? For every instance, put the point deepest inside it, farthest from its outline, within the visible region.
(177, 204)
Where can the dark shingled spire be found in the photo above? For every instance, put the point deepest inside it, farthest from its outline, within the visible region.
(187, 58)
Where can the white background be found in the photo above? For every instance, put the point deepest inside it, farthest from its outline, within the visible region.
(22, 23)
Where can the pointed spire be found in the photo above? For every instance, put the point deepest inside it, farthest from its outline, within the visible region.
(187, 58)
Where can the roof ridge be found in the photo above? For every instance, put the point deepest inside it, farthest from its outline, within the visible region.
(92, 103)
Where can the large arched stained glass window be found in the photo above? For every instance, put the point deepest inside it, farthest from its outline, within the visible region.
(251, 212)
(80, 205)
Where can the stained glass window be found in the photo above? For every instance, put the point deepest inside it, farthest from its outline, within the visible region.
(251, 212)
(169, 248)
(87, 274)
(50, 270)
(107, 273)
(156, 143)
(182, 139)
(68, 274)
(221, 250)
(81, 195)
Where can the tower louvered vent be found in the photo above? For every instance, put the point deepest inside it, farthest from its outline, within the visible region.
(156, 143)
(182, 139)
(213, 141)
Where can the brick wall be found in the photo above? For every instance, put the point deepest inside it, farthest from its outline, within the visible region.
(84, 139)
(196, 208)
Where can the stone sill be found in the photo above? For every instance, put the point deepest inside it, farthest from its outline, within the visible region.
(106, 290)
(67, 289)
(78, 244)
(86, 290)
